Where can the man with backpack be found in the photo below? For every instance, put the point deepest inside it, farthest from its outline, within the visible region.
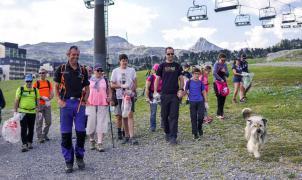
(70, 80)
(26, 104)
(46, 94)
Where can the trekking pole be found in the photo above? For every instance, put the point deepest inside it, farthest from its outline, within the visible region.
(111, 126)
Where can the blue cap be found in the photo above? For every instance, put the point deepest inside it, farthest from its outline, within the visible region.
(28, 77)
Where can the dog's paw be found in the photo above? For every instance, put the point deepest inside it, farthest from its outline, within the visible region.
(257, 155)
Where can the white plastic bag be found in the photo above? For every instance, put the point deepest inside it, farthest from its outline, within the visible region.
(11, 130)
(247, 79)
(126, 106)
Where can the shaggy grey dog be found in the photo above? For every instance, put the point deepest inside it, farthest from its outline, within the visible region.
(255, 131)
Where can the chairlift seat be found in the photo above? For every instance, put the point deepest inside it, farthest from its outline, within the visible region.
(243, 20)
(288, 18)
(268, 24)
(285, 26)
(197, 13)
(267, 13)
(297, 26)
(226, 5)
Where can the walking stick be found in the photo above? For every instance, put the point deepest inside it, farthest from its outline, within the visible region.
(111, 127)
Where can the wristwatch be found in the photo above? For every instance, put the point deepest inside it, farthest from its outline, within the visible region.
(181, 89)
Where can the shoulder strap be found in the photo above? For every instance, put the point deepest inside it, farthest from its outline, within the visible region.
(151, 80)
(48, 83)
(21, 91)
(35, 89)
(107, 85)
(38, 84)
(188, 84)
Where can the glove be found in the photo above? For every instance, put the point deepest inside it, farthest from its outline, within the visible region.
(124, 86)
(206, 105)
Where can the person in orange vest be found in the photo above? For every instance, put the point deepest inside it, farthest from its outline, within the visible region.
(46, 94)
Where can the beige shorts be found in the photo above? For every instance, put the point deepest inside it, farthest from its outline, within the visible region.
(98, 119)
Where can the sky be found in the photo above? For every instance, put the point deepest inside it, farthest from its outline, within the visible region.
(143, 22)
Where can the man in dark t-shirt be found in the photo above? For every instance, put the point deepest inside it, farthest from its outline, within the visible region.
(70, 80)
(170, 73)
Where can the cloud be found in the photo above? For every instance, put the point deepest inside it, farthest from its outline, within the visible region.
(183, 38)
(131, 18)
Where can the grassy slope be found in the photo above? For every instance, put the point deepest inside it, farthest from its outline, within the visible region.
(276, 94)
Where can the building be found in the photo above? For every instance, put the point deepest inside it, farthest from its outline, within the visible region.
(14, 63)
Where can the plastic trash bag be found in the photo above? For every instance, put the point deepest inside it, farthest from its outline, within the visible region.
(247, 79)
(126, 105)
(11, 130)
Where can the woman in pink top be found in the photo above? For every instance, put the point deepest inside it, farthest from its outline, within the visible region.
(205, 71)
(149, 90)
(97, 109)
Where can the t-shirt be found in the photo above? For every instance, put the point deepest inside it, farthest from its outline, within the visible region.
(218, 74)
(97, 97)
(123, 76)
(205, 80)
(169, 73)
(195, 91)
(244, 65)
(27, 102)
(238, 70)
(151, 79)
(43, 89)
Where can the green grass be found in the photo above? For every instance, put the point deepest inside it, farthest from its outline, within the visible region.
(276, 94)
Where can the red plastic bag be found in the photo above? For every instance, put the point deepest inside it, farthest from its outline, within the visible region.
(11, 130)
(222, 88)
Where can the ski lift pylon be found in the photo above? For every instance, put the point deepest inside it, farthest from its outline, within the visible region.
(267, 12)
(225, 5)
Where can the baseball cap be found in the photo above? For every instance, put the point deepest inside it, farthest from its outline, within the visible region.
(98, 67)
(28, 77)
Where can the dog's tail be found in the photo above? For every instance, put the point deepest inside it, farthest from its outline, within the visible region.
(246, 112)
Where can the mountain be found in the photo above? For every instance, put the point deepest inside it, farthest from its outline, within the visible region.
(202, 45)
(56, 51)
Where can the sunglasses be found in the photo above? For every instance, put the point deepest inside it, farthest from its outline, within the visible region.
(42, 73)
(28, 81)
(170, 54)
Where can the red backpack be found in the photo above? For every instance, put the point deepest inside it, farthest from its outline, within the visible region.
(222, 88)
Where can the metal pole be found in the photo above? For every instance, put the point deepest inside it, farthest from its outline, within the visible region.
(99, 35)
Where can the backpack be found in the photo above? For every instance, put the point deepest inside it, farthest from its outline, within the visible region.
(222, 88)
(152, 79)
(22, 91)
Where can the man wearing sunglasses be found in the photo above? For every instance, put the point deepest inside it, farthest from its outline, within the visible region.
(72, 91)
(170, 73)
(46, 93)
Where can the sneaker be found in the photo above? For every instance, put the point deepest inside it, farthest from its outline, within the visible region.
(243, 100)
(24, 148)
(69, 167)
(99, 147)
(220, 117)
(41, 140)
(81, 163)
(167, 138)
(132, 141)
(173, 141)
(152, 129)
(30, 145)
(234, 101)
(119, 135)
(126, 140)
(92, 145)
(200, 132)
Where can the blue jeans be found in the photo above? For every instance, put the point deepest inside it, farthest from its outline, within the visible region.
(153, 110)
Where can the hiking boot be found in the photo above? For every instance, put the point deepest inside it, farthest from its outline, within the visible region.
(195, 137)
(81, 163)
(126, 140)
(40, 140)
(92, 145)
(132, 141)
(24, 148)
(46, 138)
(173, 141)
(200, 132)
(29, 145)
(152, 129)
(99, 147)
(69, 167)
(119, 135)
(167, 138)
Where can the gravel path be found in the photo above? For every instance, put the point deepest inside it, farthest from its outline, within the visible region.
(152, 159)
(280, 64)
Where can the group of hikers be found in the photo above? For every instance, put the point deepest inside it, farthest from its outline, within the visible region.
(84, 98)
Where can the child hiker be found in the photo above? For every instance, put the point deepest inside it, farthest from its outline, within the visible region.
(198, 100)
(205, 71)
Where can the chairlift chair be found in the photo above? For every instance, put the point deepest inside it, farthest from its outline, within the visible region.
(225, 5)
(286, 26)
(297, 25)
(288, 18)
(267, 13)
(243, 20)
(89, 4)
(267, 23)
(197, 13)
